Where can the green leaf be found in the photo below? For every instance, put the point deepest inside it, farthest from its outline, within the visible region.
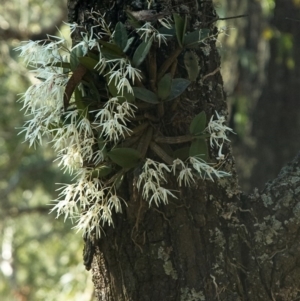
(181, 153)
(192, 65)
(167, 31)
(193, 39)
(132, 20)
(74, 58)
(75, 53)
(178, 87)
(198, 124)
(64, 65)
(199, 149)
(88, 62)
(120, 36)
(129, 42)
(164, 86)
(141, 53)
(102, 171)
(124, 157)
(180, 27)
(119, 180)
(145, 95)
(93, 90)
(78, 99)
(111, 51)
(114, 91)
(101, 146)
(93, 55)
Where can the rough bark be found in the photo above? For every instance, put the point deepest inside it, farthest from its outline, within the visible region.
(212, 243)
(271, 241)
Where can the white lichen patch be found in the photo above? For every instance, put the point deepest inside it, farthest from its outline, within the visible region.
(294, 180)
(164, 254)
(296, 210)
(169, 270)
(188, 294)
(297, 190)
(259, 236)
(206, 50)
(286, 199)
(268, 230)
(216, 267)
(218, 237)
(267, 200)
(276, 224)
(263, 257)
(226, 183)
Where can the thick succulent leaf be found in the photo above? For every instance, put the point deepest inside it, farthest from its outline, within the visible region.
(93, 90)
(101, 145)
(141, 53)
(179, 85)
(181, 153)
(102, 171)
(78, 99)
(124, 157)
(73, 82)
(119, 180)
(198, 124)
(132, 20)
(93, 55)
(145, 95)
(120, 36)
(75, 54)
(114, 91)
(88, 62)
(180, 28)
(129, 42)
(167, 31)
(199, 149)
(64, 65)
(191, 63)
(193, 38)
(164, 86)
(110, 50)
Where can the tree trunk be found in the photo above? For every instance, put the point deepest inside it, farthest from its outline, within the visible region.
(211, 243)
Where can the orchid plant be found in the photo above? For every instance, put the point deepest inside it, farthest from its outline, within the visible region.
(91, 101)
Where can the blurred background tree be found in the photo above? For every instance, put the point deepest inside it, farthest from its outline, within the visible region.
(261, 71)
(41, 258)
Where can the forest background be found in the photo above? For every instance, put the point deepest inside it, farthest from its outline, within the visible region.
(40, 256)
